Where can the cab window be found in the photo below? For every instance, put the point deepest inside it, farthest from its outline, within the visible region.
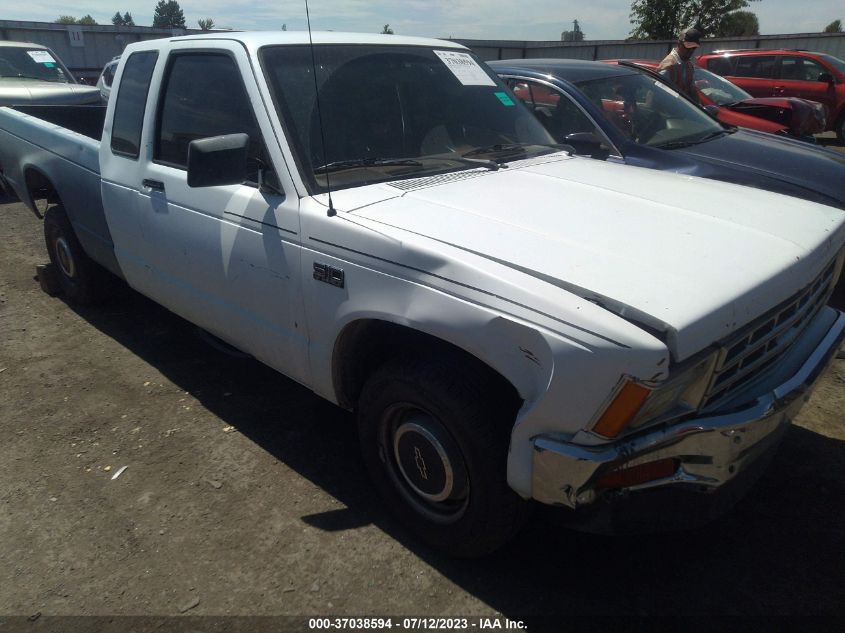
(204, 96)
(131, 102)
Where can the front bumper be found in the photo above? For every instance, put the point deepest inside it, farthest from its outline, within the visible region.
(709, 451)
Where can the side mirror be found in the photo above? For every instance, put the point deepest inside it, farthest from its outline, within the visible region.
(712, 110)
(826, 78)
(218, 160)
(584, 142)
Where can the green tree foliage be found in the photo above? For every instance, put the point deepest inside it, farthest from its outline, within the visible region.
(738, 24)
(168, 15)
(387, 30)
(69, 19)
(122, 20)
(665, 19)
(206, 25)
(834, 27)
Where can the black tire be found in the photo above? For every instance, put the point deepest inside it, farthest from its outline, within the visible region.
(436, 409)
(840, 128)
(82, 281)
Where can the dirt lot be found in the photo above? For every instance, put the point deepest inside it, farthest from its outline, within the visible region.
(244, 493)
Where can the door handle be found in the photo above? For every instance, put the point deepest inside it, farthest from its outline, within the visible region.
(153, 184)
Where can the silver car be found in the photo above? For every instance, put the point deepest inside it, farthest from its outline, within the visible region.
(33, 74)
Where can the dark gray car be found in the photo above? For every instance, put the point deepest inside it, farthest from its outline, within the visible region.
(617, 112)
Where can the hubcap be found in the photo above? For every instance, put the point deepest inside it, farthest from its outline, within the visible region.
(428, 465)
(64, 257)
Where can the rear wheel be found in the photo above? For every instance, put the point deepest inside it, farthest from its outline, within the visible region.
(840, 127)
(435, 440)
(82, 281)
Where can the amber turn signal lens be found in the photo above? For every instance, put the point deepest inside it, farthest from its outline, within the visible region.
(623, 408)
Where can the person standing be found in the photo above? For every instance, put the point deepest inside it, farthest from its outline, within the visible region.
(677, 66)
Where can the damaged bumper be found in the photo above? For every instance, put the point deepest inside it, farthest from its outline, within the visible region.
(697, 455)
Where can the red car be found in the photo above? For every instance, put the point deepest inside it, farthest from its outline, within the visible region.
(786, 73)
(731, 105)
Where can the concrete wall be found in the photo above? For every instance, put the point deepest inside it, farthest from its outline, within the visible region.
(84, 49)
(831, 43)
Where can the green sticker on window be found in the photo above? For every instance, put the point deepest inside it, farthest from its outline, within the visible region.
(48, 65)
(504, 98)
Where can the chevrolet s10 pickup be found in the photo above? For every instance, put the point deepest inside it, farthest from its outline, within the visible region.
(381, 220)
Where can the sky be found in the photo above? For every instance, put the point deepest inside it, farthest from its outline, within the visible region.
(470, 19)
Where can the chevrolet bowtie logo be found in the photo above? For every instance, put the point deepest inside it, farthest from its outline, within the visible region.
(418, 458)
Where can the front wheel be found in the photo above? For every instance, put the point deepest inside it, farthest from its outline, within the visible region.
(82, 280)
(435, 441)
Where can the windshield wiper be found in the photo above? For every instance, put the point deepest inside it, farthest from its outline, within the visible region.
(368, 162)
(517, 148)
(703, 139)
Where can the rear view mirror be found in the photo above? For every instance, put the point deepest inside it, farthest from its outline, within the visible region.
(826, 78)
(218, 160)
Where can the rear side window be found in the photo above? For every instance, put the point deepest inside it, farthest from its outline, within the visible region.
(108, 74)
(131, 102)
(755, 66)
(204, 96)
(720, 65)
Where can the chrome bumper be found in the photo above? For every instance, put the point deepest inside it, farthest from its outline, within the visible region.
(710, 451)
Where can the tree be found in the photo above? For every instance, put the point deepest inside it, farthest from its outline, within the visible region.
(122, 20)
(665, 19)
(387, 30)
(168, 15)
(69, 19)
(834, 27)
(206, 25)
(739, 24)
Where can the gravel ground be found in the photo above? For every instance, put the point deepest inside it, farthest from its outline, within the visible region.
(243, 493)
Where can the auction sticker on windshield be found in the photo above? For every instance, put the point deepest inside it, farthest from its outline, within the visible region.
(465, 68)
(666, 88)
(42, 57)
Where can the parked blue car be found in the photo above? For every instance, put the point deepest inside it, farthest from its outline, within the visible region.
(624, 113)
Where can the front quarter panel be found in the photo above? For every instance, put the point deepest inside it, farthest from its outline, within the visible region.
(564, 355)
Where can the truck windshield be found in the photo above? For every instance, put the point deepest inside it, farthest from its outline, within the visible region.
(31, 63)
(391, 112)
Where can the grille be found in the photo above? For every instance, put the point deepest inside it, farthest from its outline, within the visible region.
(758, 345)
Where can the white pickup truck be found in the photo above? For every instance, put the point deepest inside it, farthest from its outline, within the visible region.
(510, 322)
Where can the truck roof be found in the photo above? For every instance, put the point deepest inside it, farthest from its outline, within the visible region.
(257, 39)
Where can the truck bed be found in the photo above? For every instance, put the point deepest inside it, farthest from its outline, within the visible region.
(58, 148)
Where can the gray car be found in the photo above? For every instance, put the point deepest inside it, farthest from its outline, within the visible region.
(33, 74)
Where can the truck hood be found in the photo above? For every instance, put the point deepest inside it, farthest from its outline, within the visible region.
(46, 93)
(693, 259)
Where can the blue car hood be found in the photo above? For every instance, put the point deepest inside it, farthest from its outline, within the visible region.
(770, 162)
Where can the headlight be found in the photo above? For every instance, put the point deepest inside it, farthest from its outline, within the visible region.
(633, 406)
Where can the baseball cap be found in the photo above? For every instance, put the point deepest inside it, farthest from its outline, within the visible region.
(691, 38)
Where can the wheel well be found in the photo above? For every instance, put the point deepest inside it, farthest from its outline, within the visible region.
(364, 346)
(39, 187)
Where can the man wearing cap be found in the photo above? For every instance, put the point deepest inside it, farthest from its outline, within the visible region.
(677, 66)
